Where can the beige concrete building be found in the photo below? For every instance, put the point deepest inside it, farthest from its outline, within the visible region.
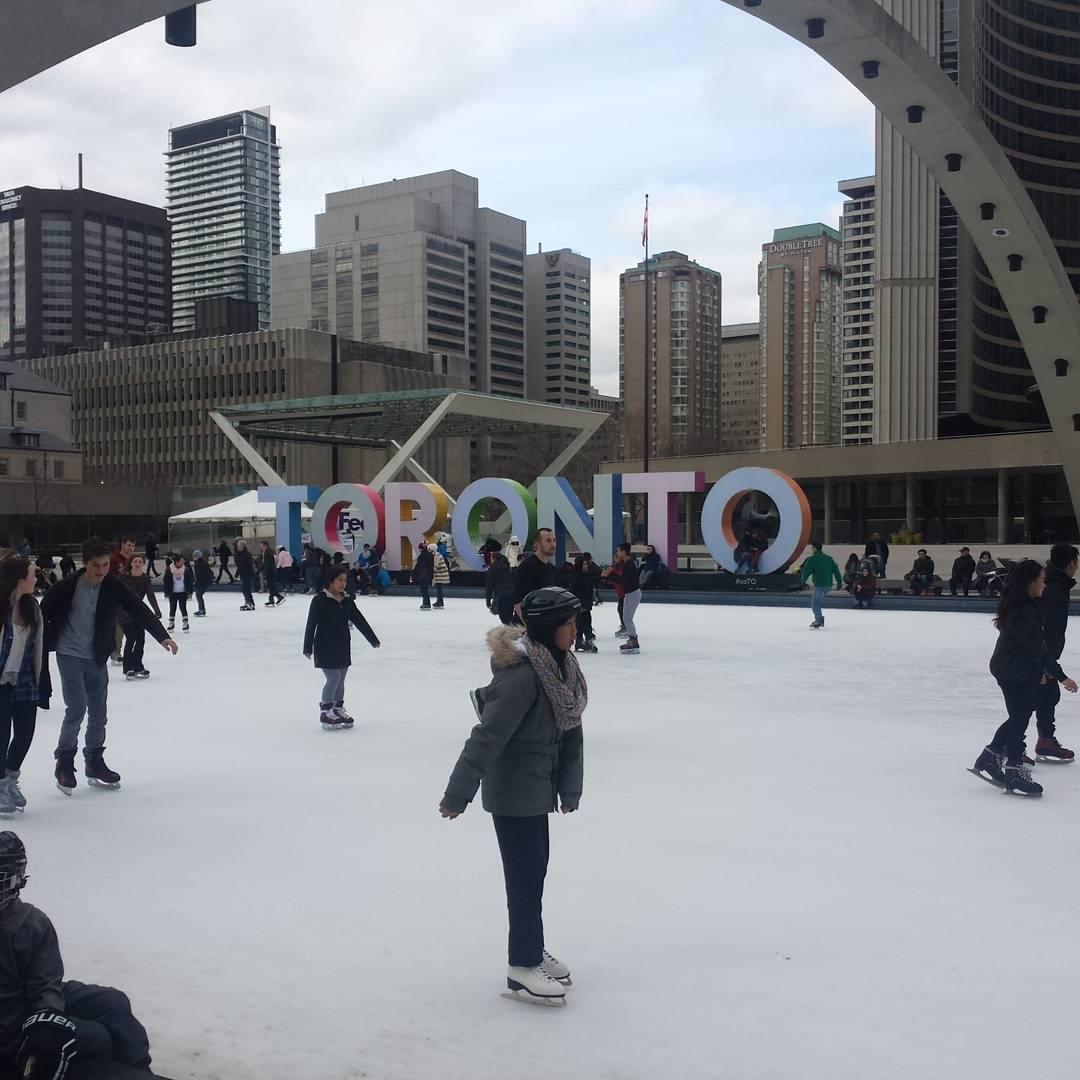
(559, 304)
(684, 354)
(800, 295)
(858, 232)
(35, 431)
(417, 264)
(740, 387)
(141, 413)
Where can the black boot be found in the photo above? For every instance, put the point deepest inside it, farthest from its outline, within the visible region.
(65, 771)
(988, 767)
(1018, 781)
(97, 772)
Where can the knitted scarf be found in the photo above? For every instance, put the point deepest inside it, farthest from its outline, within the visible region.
(568, 695)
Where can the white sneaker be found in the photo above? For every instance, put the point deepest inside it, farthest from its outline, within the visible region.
(535, 982)
(556, 969)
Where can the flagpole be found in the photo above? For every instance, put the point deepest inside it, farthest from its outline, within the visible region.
(648, 337)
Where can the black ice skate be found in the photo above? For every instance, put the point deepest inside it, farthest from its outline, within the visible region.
(65, 771)
(98, 774)
(1049, 749)
(536, 985)
(630, 647)
(342, 715)
(329, 718)
(1018, 782)
(185, 626)
(988, 767)
(172, 625)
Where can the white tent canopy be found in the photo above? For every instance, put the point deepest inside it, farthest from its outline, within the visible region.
(244, 507)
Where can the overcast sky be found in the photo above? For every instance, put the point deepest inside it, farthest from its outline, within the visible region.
(568, 111)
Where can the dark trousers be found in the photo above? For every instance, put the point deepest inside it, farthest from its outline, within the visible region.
(1049, 696)
(272, 590)
(863, 599)
(438, 593)
(960, 583)
(1020, 701)
(425, 593)
(134, 644)
(523, 844)
(20, 718)
(176, 599)
(199, 594)
(619, 609)
(245, 585)
(104, 1024)
(584, 624)
(223, 568)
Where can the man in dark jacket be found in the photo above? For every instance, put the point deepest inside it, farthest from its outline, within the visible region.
(534, 571)
(1060, 579)
(921, 574)
(877, 548)
(223, 553)
(269, 572)
(80, 619)
(423, 573)
(963, 570)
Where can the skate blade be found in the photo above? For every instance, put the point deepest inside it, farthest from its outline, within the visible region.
(523, 995)
(1042, 759)
(68, 791)
(104, 784)
(996, 783)
(1022, 794)
(336, 727)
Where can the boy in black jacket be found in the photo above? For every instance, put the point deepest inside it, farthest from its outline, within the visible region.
(80, 617)
(51, 1029)
(1060, 579)
(327, 638)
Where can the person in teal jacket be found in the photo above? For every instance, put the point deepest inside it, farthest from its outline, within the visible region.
(821, 571)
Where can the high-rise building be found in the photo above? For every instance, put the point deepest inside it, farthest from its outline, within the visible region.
(858, 224)
(418, 264)
(740, 387)
(684, 355)
(800, 296)
(224, 200)
(558, 303)
(78, 268)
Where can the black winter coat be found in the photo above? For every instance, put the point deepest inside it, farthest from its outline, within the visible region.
(31, 973)
(327, 634)
(963, 568)
(524, 761)
(498, 582)
(245, 567)
(167, 580)
(1020, 656)
(204, 576)
(114, 595)
(423, 571)
(1055, 609)
(532, 573)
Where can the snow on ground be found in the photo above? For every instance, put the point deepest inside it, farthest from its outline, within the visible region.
(780, 868)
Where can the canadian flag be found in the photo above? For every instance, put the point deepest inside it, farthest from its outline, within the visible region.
(645, 225)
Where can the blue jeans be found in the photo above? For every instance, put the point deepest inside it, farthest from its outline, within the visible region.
(816, 598)
(85, 685)
(334, 690)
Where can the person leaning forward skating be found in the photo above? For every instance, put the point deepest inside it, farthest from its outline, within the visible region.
(1021, 664)
(52, 1029)
(821, 571)
(526, 755)
(1060, 581)
(80, 613)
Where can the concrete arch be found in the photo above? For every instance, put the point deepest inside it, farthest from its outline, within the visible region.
(882, 60)
(38, 34)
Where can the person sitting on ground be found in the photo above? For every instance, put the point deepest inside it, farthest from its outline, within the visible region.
(49, 1026)
(851, 570)
(984, 569)
(921, 574)
(864, 588)
(963, 569)
(652, 569)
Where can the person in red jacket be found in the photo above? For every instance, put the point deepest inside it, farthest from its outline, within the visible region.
(864, 588)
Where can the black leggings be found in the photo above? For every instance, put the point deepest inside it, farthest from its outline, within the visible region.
(584, 624)
(523, 844)
(174, 600)
(245, 585)
(20, 716)
(134, 645)
(1020, 701)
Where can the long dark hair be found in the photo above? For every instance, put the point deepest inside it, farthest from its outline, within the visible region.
(12, 570)
(1015, 594)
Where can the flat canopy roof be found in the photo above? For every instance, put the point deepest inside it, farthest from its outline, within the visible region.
(378, 420)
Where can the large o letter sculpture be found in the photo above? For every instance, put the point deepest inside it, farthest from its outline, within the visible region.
(466, 521)
(338, 497)
(717, 517)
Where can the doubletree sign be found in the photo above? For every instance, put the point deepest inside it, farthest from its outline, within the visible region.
(405, 515)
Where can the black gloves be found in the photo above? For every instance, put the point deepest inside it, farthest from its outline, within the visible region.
(47, 1047)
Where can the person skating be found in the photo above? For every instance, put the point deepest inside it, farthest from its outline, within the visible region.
(178, 583)
(52, 1029)
(138, 581)
(823, 571)
(328, 640)
(285, 567)
(270, 575)
(440, 574)
(423, 572)
(204, 580)
(525, 755)
(535, 571)
(119, 563)
(628, 582)
(245, 570)
(80, 613)
(583, 586)
(499, 588)
(1060, 580)
(24, 682)
(1021, 664)
(151, 549)
(223, 554)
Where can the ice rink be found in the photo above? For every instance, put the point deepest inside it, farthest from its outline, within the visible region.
(780, 868)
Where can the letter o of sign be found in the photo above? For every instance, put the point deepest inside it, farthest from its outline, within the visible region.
(337, 497)
(717, 517)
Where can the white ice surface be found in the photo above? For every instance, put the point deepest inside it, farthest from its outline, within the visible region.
(780, 868)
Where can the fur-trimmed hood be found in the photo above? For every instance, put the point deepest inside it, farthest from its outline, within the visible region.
(507, 646)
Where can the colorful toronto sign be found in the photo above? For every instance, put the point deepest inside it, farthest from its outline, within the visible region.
(405, 515)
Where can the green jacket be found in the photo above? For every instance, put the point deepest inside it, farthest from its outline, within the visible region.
(823, 570)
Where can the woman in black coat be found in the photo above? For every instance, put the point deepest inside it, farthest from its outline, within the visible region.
(1021, 664)
(327, 640)
(423, 572)
(245, 570)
